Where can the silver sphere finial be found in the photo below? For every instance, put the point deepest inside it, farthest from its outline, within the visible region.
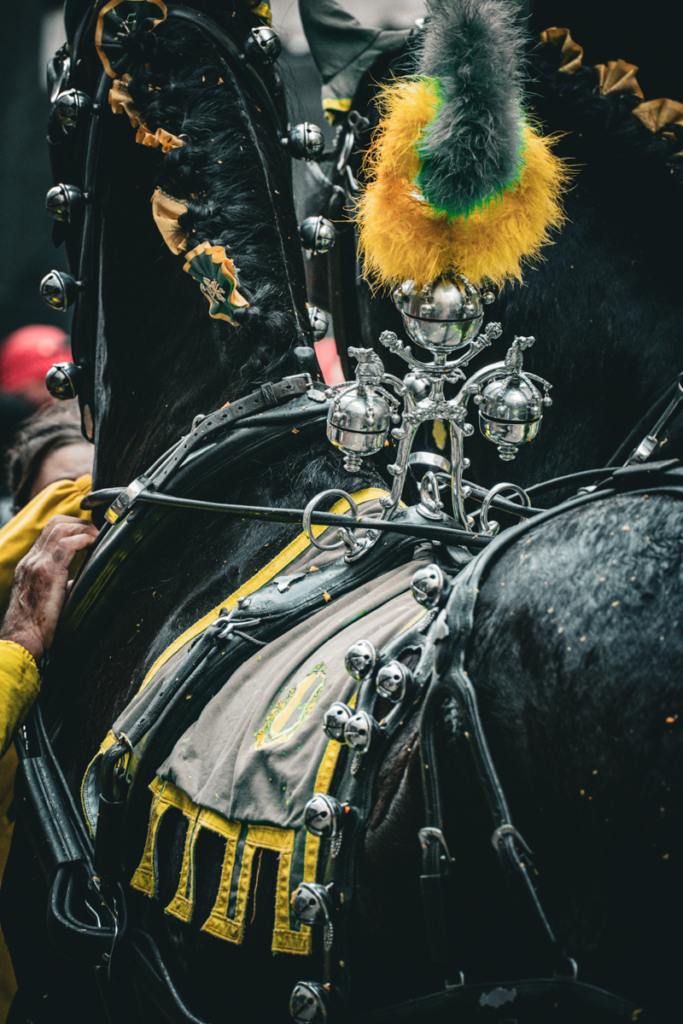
(443, 315)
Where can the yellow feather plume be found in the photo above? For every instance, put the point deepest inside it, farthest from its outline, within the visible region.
(402, 238)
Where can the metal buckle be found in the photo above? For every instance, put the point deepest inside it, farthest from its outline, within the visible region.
(509, 830)
(124, 501)
(428, 835)
(574, 972)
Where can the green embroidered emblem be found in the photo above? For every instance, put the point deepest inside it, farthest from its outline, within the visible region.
(288, 713)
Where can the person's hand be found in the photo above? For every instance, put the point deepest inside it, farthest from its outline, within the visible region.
(40, 581)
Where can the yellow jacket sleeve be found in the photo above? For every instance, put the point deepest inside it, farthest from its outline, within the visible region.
(19, 687)
(17, 537)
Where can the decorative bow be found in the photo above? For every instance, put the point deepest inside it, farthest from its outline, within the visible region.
(116, 22)
(217, 278)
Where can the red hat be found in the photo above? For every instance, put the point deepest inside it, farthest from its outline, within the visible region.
(27, 354)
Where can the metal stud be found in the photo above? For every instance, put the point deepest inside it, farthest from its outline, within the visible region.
(393, 681)
(430, 586)
(318, 234)
(335, 719)
(309, 1003)
(265, 43)
(360, 660)
(63, 380)
(323, 816)
(71, 107)
(359, 731)
(305, 141)
(63, 201)
(319, 321)
(59, 290)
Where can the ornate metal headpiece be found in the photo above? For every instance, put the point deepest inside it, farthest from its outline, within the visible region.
(444, 318)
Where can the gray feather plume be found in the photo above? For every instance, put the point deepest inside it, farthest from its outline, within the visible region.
(472, 149)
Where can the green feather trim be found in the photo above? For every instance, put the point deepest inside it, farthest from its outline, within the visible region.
(431, 170)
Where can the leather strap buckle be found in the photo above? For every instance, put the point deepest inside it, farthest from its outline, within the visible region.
(430, 835)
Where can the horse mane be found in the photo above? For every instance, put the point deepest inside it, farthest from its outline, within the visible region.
(604, 132)
(220, 175)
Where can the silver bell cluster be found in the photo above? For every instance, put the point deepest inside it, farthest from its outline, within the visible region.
(387, 688)
(446, 319)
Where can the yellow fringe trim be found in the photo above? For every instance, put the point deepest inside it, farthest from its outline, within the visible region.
(400, 236)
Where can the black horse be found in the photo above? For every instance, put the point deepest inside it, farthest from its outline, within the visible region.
(583, 725)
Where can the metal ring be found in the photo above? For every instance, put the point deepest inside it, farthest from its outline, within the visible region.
(310, 508)
(492, 528)
(429, 459)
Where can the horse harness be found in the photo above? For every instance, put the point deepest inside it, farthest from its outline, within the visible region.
(416, 673)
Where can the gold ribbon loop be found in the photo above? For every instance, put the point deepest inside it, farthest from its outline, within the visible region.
(166, 212)
(617, 76)
(656, 114)
(571, 54)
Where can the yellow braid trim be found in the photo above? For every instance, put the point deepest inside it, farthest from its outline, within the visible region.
(400, 236)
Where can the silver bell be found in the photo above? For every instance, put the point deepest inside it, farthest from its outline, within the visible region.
(335, 719)
(393, 681)
(319, 321)
(306, 141)
(442, 316)
(430, 586)
(263, 42)
(71, 107)
(509, 413)
(309, 1003)
(359, 731)
(358, 422)
(323, 816)
(312, 903)
(63, 380)
(59, 290)
(360, 660)
(63, 201)
(318, 234)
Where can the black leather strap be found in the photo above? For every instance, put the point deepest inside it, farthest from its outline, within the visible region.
(151, 974)
(267, 397)
(83, 920)
(531, 1000)
(451, 633)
